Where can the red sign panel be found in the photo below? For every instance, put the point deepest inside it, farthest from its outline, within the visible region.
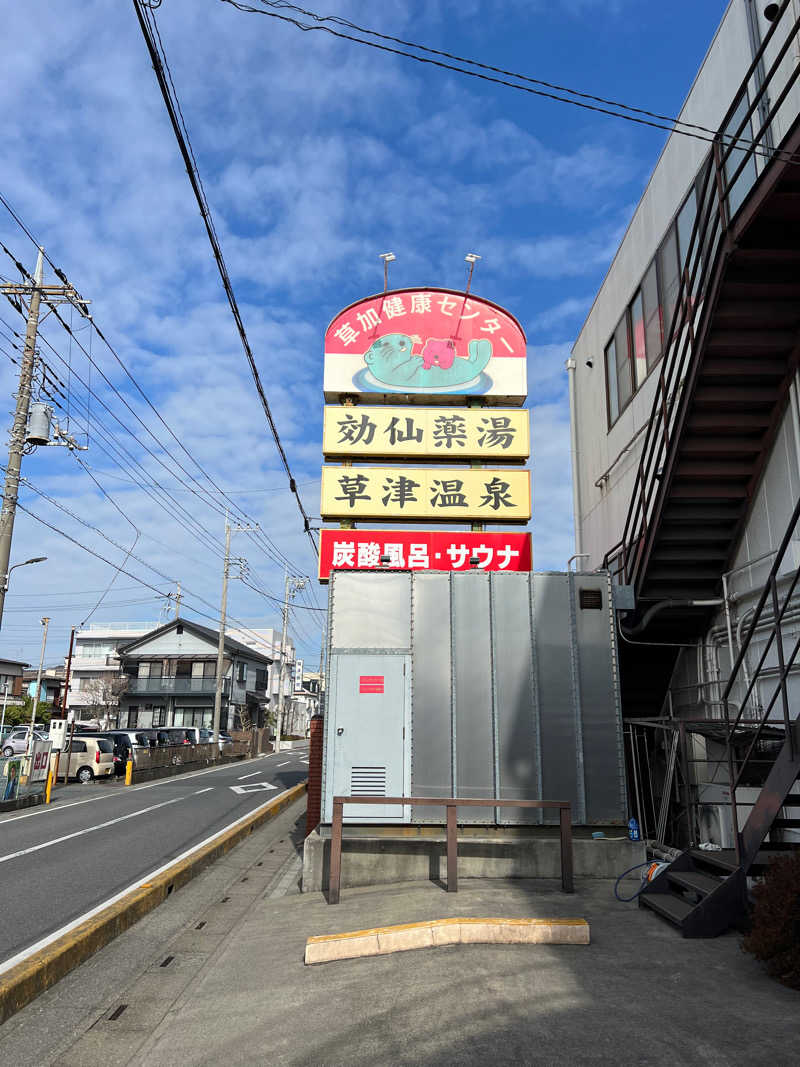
(370, 683)
(424, 550)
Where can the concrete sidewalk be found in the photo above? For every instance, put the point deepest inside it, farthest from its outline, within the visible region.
(236, 991)
(638, 994)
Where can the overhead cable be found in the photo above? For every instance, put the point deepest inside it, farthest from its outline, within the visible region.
(147, 22)
(576, 98)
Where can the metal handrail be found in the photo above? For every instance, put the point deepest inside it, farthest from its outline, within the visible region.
(451, 804)
(691, 308)
(770, 591)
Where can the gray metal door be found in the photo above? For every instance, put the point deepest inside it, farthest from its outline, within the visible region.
(369, 734)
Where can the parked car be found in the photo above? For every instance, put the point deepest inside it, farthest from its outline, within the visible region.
(127, 744)
(91, 757)
(17, 740)
(207, 737)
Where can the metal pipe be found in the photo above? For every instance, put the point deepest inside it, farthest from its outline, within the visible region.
(662, 605)
(573, 442)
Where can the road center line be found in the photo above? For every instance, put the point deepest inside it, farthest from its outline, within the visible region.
(88, 830)
(286, 764)
(116, 791)
(208, 789)
(243, 776)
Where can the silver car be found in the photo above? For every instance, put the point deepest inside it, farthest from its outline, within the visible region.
(17, 741)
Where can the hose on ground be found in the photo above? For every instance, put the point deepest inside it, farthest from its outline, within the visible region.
(627, 900)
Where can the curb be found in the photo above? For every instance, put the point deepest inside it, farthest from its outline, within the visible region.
(28, 979)
(434, 933)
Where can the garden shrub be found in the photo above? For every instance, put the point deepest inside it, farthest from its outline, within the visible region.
(774, 937)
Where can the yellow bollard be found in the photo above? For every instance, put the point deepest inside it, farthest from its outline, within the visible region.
(129, 772)
(48, 787)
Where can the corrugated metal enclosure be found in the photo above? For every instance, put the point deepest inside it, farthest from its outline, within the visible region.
(473, 684)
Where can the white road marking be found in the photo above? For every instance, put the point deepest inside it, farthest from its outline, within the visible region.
(45, 941)
(286, 764)
(124, 791)
(87, 830)
(208, 789)
(252, 787)
(243, 776)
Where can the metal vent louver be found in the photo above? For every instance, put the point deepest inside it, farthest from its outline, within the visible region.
(368, 782)
(591, 599)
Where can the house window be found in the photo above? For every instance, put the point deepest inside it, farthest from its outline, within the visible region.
(133, 714)
(241, 672)
(159, 716)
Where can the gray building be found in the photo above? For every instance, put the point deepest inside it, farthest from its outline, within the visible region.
(171, 679)
(685, 415)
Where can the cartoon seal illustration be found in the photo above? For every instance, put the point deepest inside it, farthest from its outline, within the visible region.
(391, 360)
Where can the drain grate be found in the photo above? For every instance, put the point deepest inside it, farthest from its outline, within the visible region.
(260, 863)
(115, 1014)
(167, 961)
(225, 900)
(245, 878)
(200, 925)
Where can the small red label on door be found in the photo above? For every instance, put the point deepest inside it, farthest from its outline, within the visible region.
(370, 683)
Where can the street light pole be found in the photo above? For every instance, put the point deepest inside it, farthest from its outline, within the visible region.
(221, 642)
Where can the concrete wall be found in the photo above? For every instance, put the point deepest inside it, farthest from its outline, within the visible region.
(389, 860)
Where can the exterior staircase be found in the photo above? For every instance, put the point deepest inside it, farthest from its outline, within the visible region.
(703, 893)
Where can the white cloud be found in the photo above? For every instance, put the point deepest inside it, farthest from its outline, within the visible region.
(316, 155)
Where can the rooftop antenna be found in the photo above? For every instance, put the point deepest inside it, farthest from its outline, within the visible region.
(472, 259)
(387, 257)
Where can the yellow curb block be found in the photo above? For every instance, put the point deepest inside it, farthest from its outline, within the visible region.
(435, 932)
(38, 972)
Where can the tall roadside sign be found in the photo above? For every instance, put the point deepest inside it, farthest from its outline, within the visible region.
(423, 388)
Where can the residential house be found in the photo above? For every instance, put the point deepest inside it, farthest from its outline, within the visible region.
(171, 679)
(11, 681)
(51, 687)
(96, 678)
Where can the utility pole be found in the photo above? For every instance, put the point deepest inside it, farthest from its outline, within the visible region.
(290, 588)
(226, 566)
(32, 291)
(29, 747)
(221, 644)
(67, 673)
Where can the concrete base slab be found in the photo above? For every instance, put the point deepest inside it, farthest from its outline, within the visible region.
(382, 941)
(387, 860)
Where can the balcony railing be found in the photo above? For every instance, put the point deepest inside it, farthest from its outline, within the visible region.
(172, 684)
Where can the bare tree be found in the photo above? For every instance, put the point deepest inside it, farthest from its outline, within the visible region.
(104, 694)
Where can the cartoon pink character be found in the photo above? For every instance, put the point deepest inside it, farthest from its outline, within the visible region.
(441, 353)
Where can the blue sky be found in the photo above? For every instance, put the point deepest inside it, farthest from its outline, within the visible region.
(317, 155)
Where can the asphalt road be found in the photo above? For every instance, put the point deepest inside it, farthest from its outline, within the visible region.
(59, 862)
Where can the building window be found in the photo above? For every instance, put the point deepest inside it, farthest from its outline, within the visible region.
(241, 672)
(639, 339)
(652, 315)
(638, 345)
(133, 714)
(159, 716)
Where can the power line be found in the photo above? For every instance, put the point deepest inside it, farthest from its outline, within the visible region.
(147, 22)
(266, 544)
(549, 90)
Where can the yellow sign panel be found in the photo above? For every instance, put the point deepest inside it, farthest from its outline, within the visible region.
(445, 434)
(439, 493)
